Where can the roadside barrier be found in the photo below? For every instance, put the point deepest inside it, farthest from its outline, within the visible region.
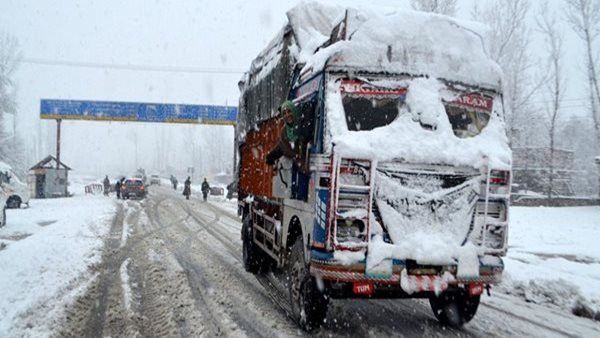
(94, 188)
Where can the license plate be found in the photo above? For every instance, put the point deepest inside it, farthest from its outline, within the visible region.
(363, 288)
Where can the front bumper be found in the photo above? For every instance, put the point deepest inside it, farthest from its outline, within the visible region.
(325, 267)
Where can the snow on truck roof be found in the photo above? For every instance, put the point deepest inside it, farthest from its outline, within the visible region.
(389, 40)
(430, 47)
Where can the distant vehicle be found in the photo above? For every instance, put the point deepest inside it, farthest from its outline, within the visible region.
(141, 174)
(133, 187)
(217, 191)
(15, 191)
(154, 179)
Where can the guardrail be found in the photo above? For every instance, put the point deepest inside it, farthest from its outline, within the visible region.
(94, 188)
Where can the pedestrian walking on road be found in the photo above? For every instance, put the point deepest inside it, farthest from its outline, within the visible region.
(187, 188)
(106, 185)
(205, 189)
(118, 188)
(174, 182)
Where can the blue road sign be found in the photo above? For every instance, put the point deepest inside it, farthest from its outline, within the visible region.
(137, 112)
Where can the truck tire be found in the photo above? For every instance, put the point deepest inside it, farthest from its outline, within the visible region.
(13, 202)
(454, 309)
(255, 260)
(309, 304)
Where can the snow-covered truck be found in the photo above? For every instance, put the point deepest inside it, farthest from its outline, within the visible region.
(398, 185)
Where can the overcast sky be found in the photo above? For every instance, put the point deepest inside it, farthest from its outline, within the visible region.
(224, 35)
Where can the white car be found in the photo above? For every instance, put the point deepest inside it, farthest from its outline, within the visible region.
(154, 179)
(14, 192)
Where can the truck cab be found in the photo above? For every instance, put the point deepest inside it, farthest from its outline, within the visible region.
(399, 184)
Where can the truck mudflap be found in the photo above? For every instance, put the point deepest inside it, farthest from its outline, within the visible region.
(413, 279)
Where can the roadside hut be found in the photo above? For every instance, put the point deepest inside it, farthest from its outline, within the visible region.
(49, 178)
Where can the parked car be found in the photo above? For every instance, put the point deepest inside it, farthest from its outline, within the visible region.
(133, 187)
(15, 191)
(154, 179)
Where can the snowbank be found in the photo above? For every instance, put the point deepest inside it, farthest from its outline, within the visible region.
(48, 250)
(554, 256)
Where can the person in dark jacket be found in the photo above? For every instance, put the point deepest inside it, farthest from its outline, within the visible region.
(174, 182)
(205, 189)
(294, 137)
(106, 185)
(293, 143)
(187, 188)
(118, 188)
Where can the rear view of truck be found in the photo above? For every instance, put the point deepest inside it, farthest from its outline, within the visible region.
(398, 179)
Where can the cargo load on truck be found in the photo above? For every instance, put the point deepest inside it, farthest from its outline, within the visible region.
(374, 160)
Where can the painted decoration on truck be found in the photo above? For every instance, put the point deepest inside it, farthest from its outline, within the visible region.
(357, 87)
(320, 228)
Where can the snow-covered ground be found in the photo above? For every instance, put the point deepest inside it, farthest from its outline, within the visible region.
(46, 252)
(554, 256)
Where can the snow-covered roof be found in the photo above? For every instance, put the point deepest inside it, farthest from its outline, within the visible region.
(49, 162)
(394, 41)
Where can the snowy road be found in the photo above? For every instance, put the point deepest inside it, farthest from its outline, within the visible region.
(172, 267)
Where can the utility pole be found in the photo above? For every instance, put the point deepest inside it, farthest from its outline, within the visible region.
(234, 151)
(597, 160)
(58, 122)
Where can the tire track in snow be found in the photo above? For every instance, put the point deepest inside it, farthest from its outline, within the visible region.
(249, 317)
(213, 321)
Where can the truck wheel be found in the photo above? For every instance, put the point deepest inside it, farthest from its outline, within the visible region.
(454, 309)
(309, 304)
(255, 260)
(13, 202)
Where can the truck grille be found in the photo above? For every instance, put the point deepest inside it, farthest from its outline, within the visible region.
(431, 199)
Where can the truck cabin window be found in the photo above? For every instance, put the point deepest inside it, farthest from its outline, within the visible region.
(368, 107)
(368, 113)
(469, 114)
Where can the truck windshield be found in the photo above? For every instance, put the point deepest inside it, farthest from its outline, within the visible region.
(368, 107)
(367, 113)
(469, 114)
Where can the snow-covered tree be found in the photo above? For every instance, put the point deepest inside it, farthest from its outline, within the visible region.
(509, 41)
(584, 17)
(447, 7)
(547, 25)
(11, 148)
(577, 134)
